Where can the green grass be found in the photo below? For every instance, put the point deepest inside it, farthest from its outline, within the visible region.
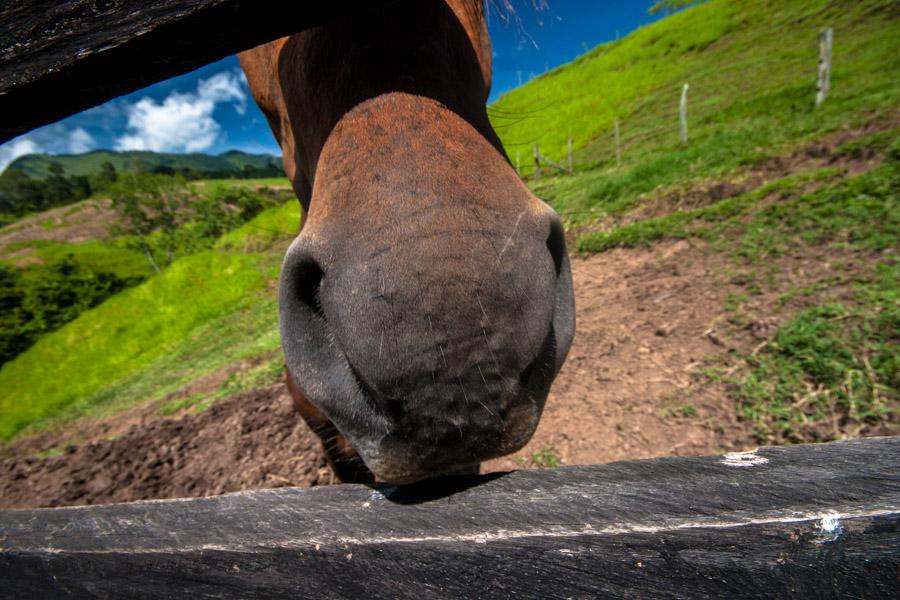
(195, 403)
(205, 311)
(678, 410)
(545, 458)
(833, 368)
(276, 225)
(857, 210)
(880, 142)
(860, 211)
(102, 256)
(751, 66)
(262, 374)
(681, 224)
(258, 182)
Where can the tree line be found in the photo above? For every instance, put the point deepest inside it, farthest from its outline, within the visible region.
(21, 194)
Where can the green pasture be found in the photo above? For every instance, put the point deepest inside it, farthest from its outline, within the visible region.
(751, 66)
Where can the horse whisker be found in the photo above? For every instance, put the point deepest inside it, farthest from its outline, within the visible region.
(482, 375)
(511, 235)
(465, 395)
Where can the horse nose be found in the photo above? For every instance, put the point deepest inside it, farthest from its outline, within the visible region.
(556, 242)
(305, 281)
(429, 356)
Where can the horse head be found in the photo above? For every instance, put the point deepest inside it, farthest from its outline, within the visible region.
(426, 305)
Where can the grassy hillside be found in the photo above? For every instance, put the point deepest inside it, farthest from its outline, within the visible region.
(206, 310)
(751, 66)
(37, 165)
(59, 263)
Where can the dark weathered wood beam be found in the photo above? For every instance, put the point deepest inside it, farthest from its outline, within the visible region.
(802, 521)
(58, 57)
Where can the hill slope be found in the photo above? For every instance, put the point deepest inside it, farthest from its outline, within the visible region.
(751, 66)
(204, 311)
(37, 165)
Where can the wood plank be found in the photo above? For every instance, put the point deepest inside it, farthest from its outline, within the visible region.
(801, 521)
(58, 57)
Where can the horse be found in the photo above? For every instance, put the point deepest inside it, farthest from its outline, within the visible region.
(426, 304)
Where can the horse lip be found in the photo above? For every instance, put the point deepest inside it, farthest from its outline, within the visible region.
(418, 476)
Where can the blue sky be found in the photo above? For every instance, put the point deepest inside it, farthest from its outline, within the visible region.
(210, 109)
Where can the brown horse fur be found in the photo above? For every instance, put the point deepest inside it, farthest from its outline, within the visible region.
(426, 305)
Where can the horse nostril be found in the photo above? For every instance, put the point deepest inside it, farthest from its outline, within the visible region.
(307, 283)
(556, 243)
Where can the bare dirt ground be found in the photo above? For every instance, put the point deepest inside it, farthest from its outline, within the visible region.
(85, 221)
(252, 440)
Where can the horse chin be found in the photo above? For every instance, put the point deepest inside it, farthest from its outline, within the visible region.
(402, 477)
(397, 461)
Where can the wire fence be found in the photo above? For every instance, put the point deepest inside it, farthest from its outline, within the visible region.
(664, 118)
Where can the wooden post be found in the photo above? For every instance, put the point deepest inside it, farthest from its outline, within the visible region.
(805, 521)
(570, 154)
(823, 85)
(618, 143)
(537, 162)
(682, 113)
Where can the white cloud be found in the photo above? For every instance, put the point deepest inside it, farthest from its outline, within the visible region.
(16, 148)
(223, 87)
(183, 121)
(80, 141)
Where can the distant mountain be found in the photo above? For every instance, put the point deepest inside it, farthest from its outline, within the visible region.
(233, 161)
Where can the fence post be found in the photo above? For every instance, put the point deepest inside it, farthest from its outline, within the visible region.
(682, 113)
(570, 154)
(537, 162)
(618, 144)
(823, 86)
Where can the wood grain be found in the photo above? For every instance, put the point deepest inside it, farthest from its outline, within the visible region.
(801, 521)
(58, 57)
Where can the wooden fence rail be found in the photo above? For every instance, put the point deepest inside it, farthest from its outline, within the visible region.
(58, 57)
(802, 521)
